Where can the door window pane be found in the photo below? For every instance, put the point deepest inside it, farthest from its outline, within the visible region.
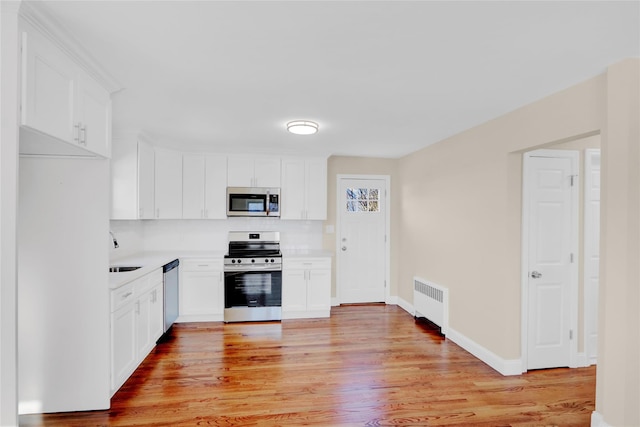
(363, 200)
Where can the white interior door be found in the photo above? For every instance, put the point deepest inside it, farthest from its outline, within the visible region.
(361, 259)
(550, 182)
(591, 252)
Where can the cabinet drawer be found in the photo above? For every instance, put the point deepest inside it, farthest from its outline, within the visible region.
(122, 296)
(204, 264)
(146, 282)
(306, 263)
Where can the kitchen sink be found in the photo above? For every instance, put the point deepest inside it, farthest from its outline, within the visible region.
(122, 269)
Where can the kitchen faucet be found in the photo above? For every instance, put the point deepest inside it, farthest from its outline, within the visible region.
(115, 242)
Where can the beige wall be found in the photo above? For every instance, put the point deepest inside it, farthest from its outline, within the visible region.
(363, 166)
(461, 211)
(618, 374)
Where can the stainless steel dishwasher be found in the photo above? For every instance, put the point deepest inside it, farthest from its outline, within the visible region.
(171, 302)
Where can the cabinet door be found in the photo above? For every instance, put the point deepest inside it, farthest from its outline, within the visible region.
(168, 184)
(292, 196)
(93, 115)
(144, 344)
(48, 95)
(215, 187)
(156, 313)
(146, 167)
(240, 172)
(123, 345)
(201, 293)
(193, 186)
(319, 290)
(294, 291)
(266, 172)
(316, 189)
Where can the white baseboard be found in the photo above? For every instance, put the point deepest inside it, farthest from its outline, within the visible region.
(504, 366)
(597, 420)
(404, 305)
(581, 361)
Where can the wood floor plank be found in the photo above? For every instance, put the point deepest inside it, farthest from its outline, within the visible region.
(365, 366)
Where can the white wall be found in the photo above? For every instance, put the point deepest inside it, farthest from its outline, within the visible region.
(9, 87)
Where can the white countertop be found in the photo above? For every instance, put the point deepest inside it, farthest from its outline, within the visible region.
(306, 253)
(150, 261)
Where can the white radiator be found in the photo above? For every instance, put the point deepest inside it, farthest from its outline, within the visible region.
(432, 302)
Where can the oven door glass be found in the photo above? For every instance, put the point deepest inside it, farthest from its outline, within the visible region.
(253, 289)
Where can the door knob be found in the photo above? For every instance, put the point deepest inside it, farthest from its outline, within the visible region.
(536, 275)
(344, 248)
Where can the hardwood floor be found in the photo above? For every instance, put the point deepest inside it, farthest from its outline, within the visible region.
(365, 366)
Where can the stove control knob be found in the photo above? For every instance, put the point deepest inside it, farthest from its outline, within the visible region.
(233, 261)
(239, 261)
(272, 260)
(266, 260)
(253, 260)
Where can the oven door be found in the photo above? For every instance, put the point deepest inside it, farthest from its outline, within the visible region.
(252, 296)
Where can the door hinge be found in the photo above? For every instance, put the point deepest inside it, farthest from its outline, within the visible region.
(571, 257)
(570, 334)
(573, 179)
(385, 284)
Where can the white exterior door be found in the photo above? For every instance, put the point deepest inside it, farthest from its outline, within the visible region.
(550, 183)
(591, 252)
(362, 242)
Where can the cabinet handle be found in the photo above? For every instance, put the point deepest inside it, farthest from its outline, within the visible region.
(83, 135)
(157, 212)
(140, 213)
(137, 307)
(127, 295)
(76, 133)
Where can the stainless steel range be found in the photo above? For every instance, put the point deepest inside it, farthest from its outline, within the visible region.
(253, 277)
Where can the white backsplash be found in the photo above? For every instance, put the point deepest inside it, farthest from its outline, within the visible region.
(208, 235)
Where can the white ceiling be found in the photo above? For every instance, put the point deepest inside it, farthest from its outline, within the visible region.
(382, 78)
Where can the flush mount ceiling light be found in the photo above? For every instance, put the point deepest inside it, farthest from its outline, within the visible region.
(302, 127)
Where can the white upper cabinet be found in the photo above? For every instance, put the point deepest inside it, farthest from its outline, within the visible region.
(93, 116)
(132, 179)
(168, 184)
(204, 186)
(253, 171)
(193, 173)
(215, 187)
(304, 188)
(60, 100)
(145, 184)
(48, 79)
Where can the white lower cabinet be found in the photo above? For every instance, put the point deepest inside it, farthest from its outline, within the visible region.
(136, 324)
(306, 287)
(201, 290)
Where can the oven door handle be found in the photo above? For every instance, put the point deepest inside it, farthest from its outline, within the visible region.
(241, 269)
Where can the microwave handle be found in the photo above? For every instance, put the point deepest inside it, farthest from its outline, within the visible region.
(267, 203)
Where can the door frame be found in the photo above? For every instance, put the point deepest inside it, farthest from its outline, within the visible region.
(589, 244)
(387, 226)
(574, 155)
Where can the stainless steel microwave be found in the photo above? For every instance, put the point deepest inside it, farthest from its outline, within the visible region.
(253, 201)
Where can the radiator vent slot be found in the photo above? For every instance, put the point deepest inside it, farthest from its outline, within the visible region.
(431, 301)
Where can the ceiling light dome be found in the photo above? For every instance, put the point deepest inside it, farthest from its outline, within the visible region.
(302, 127)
